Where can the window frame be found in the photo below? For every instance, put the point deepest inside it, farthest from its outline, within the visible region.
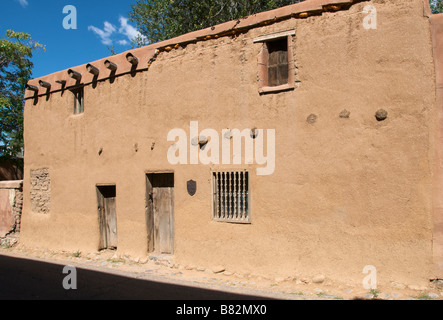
(263, 62)
(215, 214)
(79, 100)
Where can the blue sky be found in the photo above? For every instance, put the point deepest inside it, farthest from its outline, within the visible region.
(100, 24)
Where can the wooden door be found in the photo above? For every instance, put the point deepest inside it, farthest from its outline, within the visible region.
(160, 212)
(106, 197)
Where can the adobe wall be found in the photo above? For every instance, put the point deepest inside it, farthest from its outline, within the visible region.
(437, 241)
(346, 192)
(11, 201)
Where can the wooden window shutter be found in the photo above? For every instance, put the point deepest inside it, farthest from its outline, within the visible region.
(278, 67)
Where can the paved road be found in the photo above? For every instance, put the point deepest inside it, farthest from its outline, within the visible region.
(22, 279)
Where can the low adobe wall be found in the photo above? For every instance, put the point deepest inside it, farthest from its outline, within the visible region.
(11, 200)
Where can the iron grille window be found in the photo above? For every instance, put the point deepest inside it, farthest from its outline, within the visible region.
(231, 197)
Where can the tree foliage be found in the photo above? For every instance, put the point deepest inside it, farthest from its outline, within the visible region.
(159, 20)
(15, 70)
(436, 6)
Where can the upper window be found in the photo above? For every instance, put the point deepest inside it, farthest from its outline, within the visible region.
(277, 62)
(276, 71)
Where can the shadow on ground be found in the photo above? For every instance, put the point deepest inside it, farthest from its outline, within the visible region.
(22, 279)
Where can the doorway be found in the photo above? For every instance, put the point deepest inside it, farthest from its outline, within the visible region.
(106, 198)
(160, 212)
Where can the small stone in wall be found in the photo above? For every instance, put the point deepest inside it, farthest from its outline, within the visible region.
(144, 260)
(218, 269)
(311, 119)
(254, 133)
(318, 279)
(200, 141)
(345, 114)
(381, 115)
(228, 135)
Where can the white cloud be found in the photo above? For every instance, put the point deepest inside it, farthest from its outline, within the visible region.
(110, 34)
(128, 30)
(23, 3)
(105, 34)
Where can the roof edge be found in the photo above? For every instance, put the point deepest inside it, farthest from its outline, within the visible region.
(61, 80)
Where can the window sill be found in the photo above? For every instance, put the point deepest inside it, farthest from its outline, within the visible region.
(234, 221)
(284, 87)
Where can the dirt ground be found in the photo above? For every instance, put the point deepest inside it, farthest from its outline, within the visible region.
(163, 270)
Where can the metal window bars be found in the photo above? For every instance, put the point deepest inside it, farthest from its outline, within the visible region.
(231, 197)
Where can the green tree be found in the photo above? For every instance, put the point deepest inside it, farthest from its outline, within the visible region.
(159, 20)
(15, 70)
(436, 6)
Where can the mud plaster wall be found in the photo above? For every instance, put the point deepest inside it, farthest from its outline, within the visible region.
(11, 201)
(347, 191)
(437, 33)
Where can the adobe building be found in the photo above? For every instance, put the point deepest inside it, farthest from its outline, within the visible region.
(338, 109)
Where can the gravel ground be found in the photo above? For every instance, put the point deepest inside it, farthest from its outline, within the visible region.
(162, 270)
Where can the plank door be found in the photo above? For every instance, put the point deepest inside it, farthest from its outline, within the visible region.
(160, 212)
(106, 197)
